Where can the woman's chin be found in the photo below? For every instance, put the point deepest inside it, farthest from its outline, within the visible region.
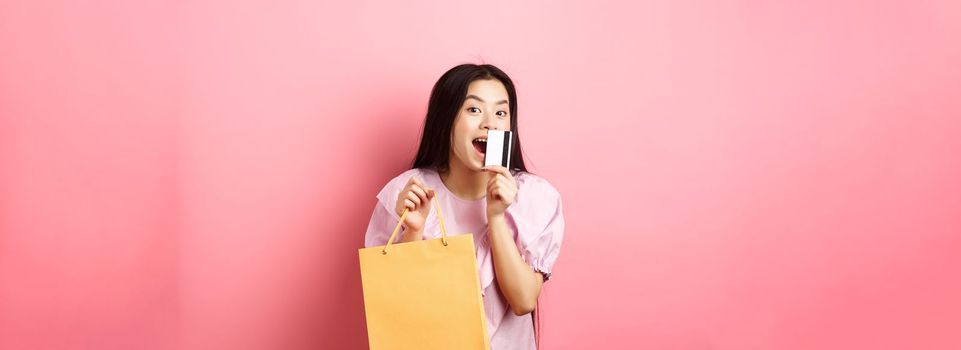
(477, 162)
(474, 163)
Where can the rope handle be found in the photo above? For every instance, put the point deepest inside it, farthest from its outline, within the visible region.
(440, 218)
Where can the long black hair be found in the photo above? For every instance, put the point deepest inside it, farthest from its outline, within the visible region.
(446, 99)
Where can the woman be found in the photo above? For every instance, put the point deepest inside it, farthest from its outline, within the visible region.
(517, 215)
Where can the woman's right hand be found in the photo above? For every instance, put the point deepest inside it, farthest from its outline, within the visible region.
(415, 197)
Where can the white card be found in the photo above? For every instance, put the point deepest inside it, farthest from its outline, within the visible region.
(498, 148)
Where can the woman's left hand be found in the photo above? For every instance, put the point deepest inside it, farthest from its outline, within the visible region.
(501, 190)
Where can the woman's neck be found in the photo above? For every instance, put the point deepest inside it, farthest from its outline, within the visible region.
(464, 182)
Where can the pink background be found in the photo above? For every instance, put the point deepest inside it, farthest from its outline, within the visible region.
(741, 175)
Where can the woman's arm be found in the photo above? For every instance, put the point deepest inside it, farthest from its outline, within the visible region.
(520, 284)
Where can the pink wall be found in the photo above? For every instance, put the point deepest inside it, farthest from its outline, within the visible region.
(752, 175)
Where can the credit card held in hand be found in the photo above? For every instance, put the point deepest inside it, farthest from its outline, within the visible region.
(498, 148)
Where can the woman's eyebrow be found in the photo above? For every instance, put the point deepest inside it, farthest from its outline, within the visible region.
(482, 100)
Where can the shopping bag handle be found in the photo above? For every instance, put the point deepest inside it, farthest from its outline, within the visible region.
(440, 218)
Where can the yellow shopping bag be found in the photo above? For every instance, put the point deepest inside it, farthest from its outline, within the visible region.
(424, 294)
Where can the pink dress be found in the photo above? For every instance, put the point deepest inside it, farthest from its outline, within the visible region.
(535, 217)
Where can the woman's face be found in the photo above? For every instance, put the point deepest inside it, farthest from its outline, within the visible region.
(485, 108)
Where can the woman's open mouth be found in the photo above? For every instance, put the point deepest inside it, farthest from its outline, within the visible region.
(480, 145)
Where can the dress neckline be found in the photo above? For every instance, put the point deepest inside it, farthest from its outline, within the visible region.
(451, 193)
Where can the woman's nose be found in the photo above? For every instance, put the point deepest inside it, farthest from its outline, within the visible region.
(488, 123)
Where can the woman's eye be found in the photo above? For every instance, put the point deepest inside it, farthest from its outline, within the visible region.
(502, 113)
(473, 109)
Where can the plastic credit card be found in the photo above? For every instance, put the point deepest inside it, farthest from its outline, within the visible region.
(498, 148)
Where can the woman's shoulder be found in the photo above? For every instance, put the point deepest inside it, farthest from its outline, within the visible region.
(537, 185)
(398, 182)
(419, 173)
(538, 202)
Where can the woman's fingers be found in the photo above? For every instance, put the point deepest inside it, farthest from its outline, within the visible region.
(418, 187)
(415, 195)
(419, 195)
(412, 196)
(507, 184)
(424, 194)
(411, 181)
(500, 188)
(500, 180)
(497, 169)
(420, 192)
(501, 177)
(418, 182)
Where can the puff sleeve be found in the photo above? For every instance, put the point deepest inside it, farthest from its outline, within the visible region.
(538, 219)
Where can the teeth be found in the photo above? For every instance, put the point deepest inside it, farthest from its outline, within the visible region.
(480, 140)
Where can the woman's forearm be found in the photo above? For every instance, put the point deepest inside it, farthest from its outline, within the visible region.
(520, 284)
